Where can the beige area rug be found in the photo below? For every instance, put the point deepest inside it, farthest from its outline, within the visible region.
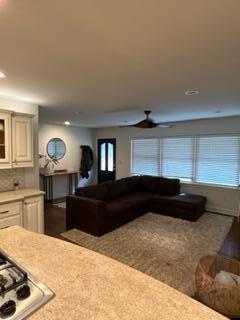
(165, 248)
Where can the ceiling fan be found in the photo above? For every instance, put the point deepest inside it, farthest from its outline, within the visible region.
(148, 123)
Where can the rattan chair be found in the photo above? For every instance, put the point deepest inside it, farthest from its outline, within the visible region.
(220, 297)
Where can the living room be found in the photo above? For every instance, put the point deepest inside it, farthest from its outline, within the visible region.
(119, 160)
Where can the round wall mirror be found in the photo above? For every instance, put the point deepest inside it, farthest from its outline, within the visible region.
(56, 148)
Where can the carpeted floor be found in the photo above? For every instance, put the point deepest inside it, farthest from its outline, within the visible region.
(165, 248)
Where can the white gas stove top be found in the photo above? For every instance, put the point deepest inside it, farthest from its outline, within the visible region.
(20, 292)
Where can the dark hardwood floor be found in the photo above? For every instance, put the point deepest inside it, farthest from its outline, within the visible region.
(55, 223)
(231, 245)
(55, 220)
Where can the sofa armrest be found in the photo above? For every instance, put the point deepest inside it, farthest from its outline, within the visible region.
(85, 214)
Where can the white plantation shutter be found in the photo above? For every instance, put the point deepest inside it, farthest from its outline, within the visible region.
(218, 160)
(145, 156)
(177, 157)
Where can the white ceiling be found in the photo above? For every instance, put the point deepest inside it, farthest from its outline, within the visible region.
(100, 63)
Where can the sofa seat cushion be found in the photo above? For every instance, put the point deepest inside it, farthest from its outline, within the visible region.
(138, 199)
(168, 187)
(97, 192)
(182, 200)
(116, 188)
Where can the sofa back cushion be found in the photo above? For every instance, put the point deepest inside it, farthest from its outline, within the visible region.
(133, 183)
(98, 192)
(168, 187)
(116, 188)
(149, 183)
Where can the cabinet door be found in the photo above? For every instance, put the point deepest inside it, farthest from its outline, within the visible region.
(22, 131)
(5, 141)
(33, 216)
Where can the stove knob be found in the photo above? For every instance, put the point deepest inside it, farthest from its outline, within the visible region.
(8, 309)
(23, 292)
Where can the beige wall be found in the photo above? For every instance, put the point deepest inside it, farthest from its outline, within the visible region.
(28, 176)
(73, 137)
(222, 200)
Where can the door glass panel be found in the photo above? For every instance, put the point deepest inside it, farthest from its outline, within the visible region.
(2, 139)
(110, 157)
(103, 157)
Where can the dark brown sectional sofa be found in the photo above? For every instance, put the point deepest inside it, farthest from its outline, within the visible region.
(101, 208)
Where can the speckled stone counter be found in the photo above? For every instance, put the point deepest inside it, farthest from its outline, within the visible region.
(89, 286)
(9, 196)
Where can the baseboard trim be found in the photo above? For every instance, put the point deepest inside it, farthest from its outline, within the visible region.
(225, 211)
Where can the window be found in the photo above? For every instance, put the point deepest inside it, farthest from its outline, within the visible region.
(145, 156)
(177, 158)
(202, 159)
(110, 157)
(218, 160)
(103, 157)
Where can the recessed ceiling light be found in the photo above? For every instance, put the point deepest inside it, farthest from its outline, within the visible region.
(67, 123)
(2, 75)
(191, 92)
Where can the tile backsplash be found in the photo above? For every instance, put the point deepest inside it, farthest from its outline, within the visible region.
(9, 176)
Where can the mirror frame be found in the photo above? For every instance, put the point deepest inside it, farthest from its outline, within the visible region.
(64, 146)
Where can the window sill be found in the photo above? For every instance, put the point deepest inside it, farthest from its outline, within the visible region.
(209, 185)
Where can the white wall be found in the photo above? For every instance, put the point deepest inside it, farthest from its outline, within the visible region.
(73, 137)
(223, 200)
(28, 177)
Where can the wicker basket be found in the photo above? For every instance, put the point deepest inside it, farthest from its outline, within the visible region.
(220, 297)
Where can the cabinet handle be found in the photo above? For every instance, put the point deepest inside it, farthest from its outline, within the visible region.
(3, 212)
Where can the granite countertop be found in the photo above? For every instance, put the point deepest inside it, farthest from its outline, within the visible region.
(20, 194)
(90, 286)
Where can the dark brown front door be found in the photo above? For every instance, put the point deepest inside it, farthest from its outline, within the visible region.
(106, 160)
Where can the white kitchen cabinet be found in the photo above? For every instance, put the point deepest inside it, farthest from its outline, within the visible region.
(33, 212)
(23, 207)
(5, 140)
(11, 214)
(22, 141)
(16, 140)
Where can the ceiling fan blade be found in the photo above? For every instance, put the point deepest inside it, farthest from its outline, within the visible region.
(128, 126)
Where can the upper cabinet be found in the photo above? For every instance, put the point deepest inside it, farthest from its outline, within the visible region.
(22, 141)
(16, 140)
(5, 140)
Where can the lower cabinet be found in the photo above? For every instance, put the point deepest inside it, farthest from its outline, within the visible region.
(33, 219)
(27, 212)
(11, 214)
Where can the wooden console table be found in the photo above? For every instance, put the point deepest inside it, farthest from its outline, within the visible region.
(48, 182)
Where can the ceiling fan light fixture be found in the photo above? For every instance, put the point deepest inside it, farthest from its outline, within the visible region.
(164, 125)
(191, 92)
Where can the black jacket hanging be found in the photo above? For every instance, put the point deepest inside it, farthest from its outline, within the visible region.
(86, 161)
